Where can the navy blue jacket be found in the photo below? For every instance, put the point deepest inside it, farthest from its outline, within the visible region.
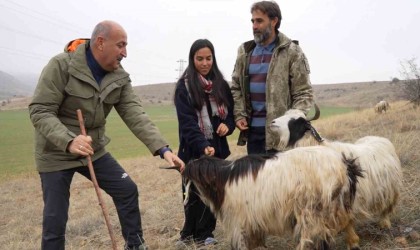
(192, 141)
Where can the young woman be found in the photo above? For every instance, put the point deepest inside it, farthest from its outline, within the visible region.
(204, 106)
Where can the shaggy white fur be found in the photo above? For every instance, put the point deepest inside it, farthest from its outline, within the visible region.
(306, 191)
(377, 193)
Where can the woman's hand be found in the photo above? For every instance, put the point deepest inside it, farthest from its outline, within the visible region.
(209, 151)
(222, 130)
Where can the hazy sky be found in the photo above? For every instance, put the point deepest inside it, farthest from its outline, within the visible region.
(344, 41)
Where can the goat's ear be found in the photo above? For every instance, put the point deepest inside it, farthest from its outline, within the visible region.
(297, 128)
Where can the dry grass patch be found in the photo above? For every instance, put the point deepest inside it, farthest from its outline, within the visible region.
(161, 199)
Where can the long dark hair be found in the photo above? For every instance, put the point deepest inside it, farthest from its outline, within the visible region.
(194, 86)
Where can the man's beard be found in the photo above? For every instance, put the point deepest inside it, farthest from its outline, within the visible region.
(261, 37)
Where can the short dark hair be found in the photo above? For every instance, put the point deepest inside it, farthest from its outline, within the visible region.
(270, 8)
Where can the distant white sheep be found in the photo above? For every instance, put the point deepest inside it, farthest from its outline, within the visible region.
(306, 191)
(378, 192)
(381, 107)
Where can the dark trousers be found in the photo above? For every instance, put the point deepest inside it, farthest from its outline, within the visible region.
(256, 142)
(112, 179)
(199, 221)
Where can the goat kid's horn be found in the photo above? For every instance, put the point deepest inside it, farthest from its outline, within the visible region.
(317, 113)
(172, 167)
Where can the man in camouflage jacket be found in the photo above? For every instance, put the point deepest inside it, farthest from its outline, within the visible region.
(287, 83)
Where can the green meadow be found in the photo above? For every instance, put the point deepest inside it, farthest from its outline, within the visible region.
(16, 137)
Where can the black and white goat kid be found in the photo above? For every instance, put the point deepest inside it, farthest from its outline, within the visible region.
(307, 192)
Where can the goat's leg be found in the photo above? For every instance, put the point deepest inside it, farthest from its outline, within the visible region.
(323, 245)
(239, 240)
(256, 239)
(385, 222)
(352, 239)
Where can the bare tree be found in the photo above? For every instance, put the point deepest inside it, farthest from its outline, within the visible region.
(411, 84)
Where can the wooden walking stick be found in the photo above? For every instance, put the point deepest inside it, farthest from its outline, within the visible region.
(95, 183)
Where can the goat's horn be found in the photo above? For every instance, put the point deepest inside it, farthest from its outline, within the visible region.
(172, 167)
(317, 113)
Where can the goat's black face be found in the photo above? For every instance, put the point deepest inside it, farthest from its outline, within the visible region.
(209, 175)
(297, 128)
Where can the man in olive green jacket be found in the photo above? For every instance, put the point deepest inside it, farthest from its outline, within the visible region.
(271, 75)
(88, 76)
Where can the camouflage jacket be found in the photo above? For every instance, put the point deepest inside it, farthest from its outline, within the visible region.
(287, 84)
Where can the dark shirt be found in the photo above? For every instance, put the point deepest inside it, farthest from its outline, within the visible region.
(97, 71)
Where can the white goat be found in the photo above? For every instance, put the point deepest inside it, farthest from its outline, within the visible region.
(306, 191)
(377, 193)
(381, 106)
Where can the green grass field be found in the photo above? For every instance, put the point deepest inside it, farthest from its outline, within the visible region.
(16, 137)
(16, 143)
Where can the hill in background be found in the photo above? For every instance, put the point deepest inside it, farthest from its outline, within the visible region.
(356, 95)
(11, 86)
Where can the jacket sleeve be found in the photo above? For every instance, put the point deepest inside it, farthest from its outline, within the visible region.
(239, 110)
(230, 121)
(47, 98)
(188, 121)
(300, 87)
(132, 113)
